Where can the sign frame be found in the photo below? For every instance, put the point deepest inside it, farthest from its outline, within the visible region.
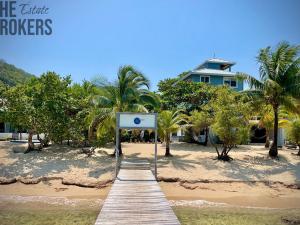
(118, 127)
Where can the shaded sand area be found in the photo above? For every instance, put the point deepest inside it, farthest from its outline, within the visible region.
(55, 162)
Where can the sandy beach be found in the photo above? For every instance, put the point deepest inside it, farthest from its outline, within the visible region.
(252, 179)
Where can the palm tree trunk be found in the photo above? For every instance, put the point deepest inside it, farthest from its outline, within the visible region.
(91, 132)
(206, 136)
(267, 144)
(273, 152)
(167, 153)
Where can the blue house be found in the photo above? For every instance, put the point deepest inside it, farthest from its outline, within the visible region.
(215, 72)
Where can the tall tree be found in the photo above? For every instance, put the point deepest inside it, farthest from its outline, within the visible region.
(51, 99)
(79, 106)
(230, 122)
(20, 111)
(130, 93)
(279, 81)
(40, 106)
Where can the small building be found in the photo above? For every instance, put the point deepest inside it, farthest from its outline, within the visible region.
(215, 72)
(5, 131)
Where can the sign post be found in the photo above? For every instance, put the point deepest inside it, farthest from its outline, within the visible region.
(129, 120)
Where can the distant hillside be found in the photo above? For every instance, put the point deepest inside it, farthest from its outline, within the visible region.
(11, 75)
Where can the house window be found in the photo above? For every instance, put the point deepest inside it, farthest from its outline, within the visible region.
(205, 79)
(230, 81)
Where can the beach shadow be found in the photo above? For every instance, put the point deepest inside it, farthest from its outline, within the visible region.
(193, 147)
(52, 161)
(251, 168)
(180, 162)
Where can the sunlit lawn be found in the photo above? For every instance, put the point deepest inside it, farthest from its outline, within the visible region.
(186, 215)
(48, 217)
(236, 216)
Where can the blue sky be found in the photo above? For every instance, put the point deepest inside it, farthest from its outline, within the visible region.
(162, 38)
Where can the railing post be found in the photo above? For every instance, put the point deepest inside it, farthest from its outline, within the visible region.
(117, 143)
(155, 156)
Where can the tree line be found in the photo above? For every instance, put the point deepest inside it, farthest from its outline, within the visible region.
(84, 114)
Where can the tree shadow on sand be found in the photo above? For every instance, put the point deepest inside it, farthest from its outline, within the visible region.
(188, 147)
(54, 160)
(180, 162)
(253, 168)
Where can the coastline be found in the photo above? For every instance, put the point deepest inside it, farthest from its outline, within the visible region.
(239, 194)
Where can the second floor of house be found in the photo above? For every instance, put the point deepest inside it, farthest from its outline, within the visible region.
(215, 72)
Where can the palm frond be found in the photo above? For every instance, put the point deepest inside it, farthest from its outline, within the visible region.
(266, 64)
(289, 104)
(252, 81)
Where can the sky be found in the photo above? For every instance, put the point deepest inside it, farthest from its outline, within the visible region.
(161, 38)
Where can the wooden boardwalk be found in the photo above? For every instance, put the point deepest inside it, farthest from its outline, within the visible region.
(136, 198)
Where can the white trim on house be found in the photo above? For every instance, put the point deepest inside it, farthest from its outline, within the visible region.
(214, 72)
(231, 79)
(205, 71)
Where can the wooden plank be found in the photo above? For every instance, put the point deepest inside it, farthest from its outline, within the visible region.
(136, 198)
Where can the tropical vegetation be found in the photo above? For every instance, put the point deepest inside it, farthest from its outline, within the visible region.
(279, 83)
(294, 132)
(59, 111)
(230, 122)
(130, 93)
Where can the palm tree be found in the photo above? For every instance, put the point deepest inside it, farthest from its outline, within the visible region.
(267, 121)
(168, 123)
(279, 81)
(130, 93)
(294, 132)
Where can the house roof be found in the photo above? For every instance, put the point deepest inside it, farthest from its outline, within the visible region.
(222, 61)
(216, 60)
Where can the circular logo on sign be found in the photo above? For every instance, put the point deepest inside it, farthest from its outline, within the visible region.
(137, 120)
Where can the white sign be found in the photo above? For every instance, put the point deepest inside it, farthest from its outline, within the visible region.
(137, 120)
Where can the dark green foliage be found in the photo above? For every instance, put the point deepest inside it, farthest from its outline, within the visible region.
(184, 95)
(49, 105)
(11, 75)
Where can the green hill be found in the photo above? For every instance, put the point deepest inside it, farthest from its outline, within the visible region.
(11, 75)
